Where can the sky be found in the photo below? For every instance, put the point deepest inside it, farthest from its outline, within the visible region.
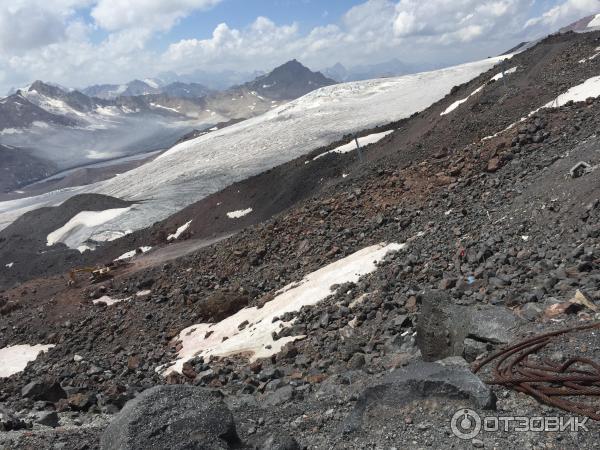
(78, 43)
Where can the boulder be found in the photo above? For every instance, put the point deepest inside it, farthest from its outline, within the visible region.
(9, 421)
(421, 380)
(176, 417)
(47, 389)
(443, 326)
(47, 418)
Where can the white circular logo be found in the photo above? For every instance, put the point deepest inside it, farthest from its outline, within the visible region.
(465, 424)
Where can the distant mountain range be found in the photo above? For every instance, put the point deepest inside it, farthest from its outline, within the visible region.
(147, 87)
(391, 68)
(65, 128)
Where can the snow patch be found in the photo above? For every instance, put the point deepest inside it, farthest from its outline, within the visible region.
(143, 293)
(14, 359)
(594, 56)
(255, 340)
(457, 103)
(8, 131)
(156, 105)
(85, 247)
(239, 213)
(9, 265)
(83, 220)
(180, 230)
(506, 72)
(595, 22)
(362, 141)
(132, 253)
(496, 77)
(579, 93)
(153, 84)
(109, 300)
(107, 110)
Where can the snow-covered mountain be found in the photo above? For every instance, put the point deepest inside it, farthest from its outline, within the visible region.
(63, 129)
(198, 167)
(218, 81)
(147, 87)
(67, 128)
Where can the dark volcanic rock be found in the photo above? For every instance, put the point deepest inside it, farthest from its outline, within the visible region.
(9, 422)
(47, 389)
(442, 326)
(422, 380)
(48, 418)
(173, 417)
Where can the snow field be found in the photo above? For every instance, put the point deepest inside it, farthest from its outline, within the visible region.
(255, 340)
(14, 359)
(85, 220)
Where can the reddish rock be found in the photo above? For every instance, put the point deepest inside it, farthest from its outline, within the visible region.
(133, 362)
(188, 370)
(493, 165)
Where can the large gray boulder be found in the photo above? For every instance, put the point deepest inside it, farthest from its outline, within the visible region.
(422, 380)
(443, 327)
(172, 417)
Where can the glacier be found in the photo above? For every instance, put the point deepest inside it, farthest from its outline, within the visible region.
(197, 168)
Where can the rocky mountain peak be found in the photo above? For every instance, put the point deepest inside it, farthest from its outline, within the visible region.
(46, 89)
(288, 81)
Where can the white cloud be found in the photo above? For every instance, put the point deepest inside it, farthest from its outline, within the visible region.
(405, 23)
(151, 14)
(29, 24)
(567, 11)
(263, 39)
(51, 39)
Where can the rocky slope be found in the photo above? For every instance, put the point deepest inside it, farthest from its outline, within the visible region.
(500, 227)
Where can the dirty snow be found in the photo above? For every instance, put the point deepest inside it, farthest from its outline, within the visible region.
(132, 253)
(239, 213)
(109, 300)
(180, 230)
(82, 221)
(362, 141)
(254, 339)
(14, 359)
